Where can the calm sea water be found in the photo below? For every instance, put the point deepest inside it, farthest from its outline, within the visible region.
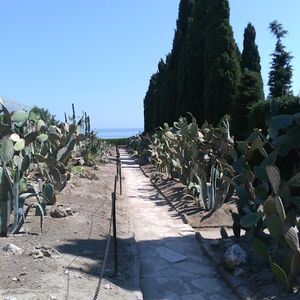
(116, 133)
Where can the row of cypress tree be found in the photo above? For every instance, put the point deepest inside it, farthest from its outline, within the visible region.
(205, 73)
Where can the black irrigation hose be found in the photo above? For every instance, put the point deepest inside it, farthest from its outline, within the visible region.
(112, 219)
(69, 265)
(112, 222)
(68, 281)
(104, 259)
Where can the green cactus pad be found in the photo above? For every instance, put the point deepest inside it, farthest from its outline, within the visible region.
(269, 206)
(14, 137)
(250, 219)
(281, 121)
(260, 173)
(62, 153)
(280, 275)
(260, 248)
(6, 150)
(49, 191)
(291, 237)
(280, 208)
(54, 172)
(19, 116)
(275, 227)
(274, 178)
(295, 180)
(41, 126)
(42, 137)
(18, 160)
(19, 145)
(23, 185)
(71, 144)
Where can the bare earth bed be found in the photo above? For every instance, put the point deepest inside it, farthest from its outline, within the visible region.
(174, 191)
(64, 262)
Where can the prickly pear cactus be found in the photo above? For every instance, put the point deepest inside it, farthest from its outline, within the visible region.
(268, 192)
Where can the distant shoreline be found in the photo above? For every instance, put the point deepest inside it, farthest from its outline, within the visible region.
(117, 133)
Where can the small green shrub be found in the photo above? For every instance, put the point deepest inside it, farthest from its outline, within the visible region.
(261, 112)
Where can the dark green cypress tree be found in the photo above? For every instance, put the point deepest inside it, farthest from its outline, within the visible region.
(164, 105)
(249, 93)
(161, 112)
(149, 104)
(250, 55)
(238, 52)
(153, 106)
(155, 102)
(280, 76)
(222, 68)
(250, 58)
(147, 109)
(169, 92)
(191, 68)
(251, 85)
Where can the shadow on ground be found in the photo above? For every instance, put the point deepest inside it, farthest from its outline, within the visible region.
(90, 254)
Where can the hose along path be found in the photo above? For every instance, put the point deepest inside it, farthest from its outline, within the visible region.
(97, 292)
(112, 225)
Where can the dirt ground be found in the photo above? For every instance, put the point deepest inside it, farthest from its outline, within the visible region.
(74, 246)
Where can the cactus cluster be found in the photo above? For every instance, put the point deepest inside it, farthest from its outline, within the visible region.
(267, 185)
(15, 159)
(197, 157)
(27, 144)
(263, 172)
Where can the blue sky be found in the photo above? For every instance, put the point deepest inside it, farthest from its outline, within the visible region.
(100, 54)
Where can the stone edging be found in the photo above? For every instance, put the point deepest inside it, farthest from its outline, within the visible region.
(236, 284)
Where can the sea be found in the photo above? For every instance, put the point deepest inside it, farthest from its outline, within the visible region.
(117, 133)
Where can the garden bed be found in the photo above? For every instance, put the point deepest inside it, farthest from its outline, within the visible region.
(253, 280)
(175, 192)
(64, 262)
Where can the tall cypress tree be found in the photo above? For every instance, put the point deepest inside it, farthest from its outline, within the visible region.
(191, 68)
(149, 104)
(154, 113)
(250, 92)
(250, 59)
(160, 111)
(222, 68)
(250, 55)
(238, 53)
(251, 84)
(170, 79)
(280, 76)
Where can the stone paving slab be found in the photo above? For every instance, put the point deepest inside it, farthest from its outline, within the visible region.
(170, 255)
(172, 263)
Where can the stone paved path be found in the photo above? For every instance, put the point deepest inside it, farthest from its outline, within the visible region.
(172, 264)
